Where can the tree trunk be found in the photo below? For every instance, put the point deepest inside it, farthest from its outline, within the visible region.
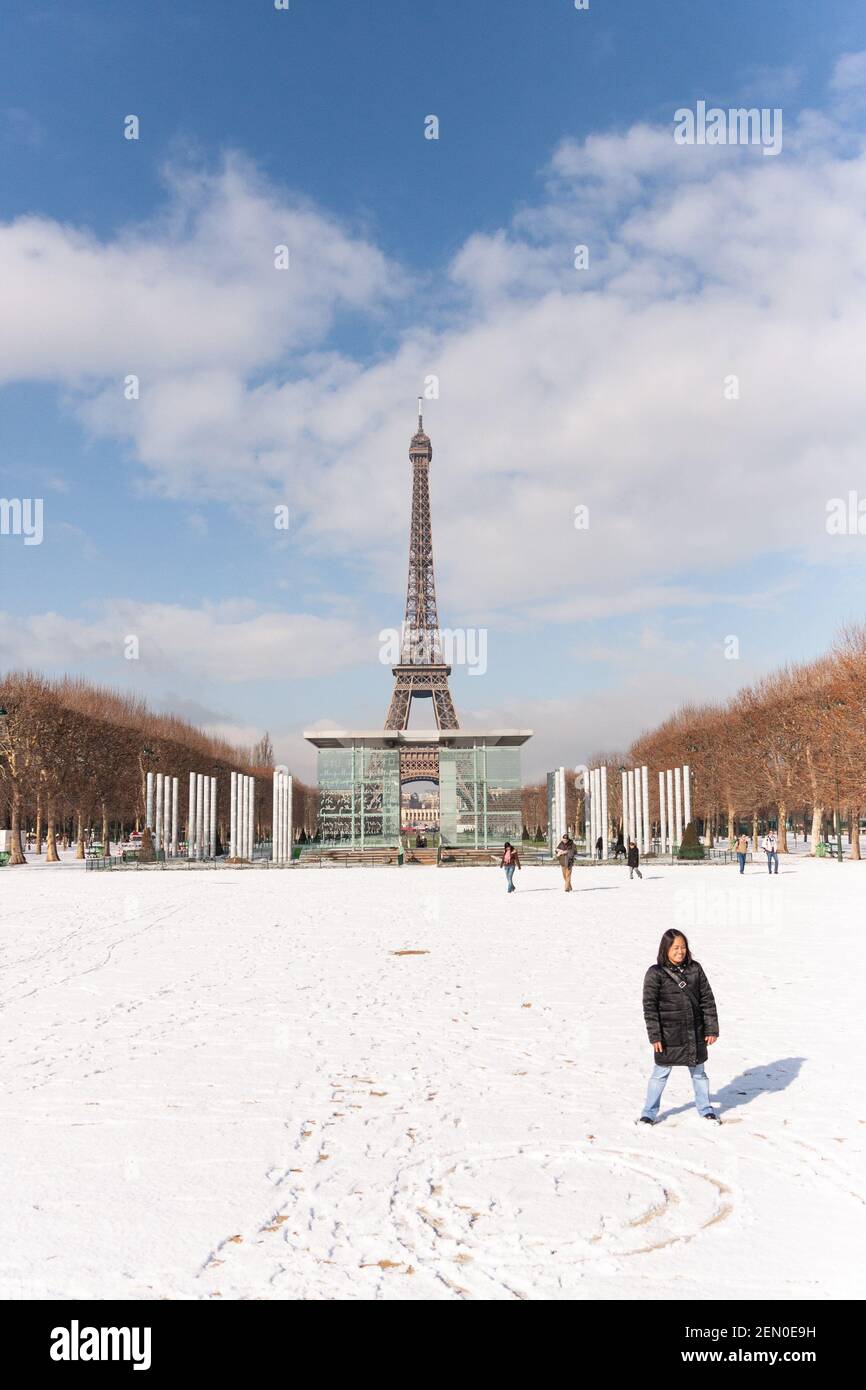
(79, 842)
(755, 834)
(38, 823)
(731, 832)
(708, 828)
(817, 818)
(855, 833)
(782, 832)
(51, 855)
(17, 855)
(106, 832)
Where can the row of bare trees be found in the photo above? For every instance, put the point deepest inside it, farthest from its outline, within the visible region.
(789, 750)
(73, 755)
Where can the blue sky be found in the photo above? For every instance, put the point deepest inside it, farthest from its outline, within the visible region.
(409, 257)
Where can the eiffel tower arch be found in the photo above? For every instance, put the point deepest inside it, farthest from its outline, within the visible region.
(421, 673)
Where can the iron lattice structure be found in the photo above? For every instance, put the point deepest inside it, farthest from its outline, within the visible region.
(422, 673)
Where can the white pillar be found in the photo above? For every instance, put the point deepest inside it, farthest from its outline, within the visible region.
(281, 806)
(663, 820)
(599, 819)
(190, 819)
(624, 804)
(199, 816)
(596, 801)
(281, 852)
(669, 801)
(175, 790)
(562, 801)
(687, 795)
(630, 800)
(148, 803)
(205, 818)
(644, 785)
(245, 827)
(214, 783)
(233, 815)
(626, 819)
(252, 835)
(678, 804)
(279, 831)
(593, 811)
(158, 839)
(638, 810)
(604, 823)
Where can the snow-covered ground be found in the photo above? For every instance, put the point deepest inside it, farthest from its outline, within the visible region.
(232, 1084)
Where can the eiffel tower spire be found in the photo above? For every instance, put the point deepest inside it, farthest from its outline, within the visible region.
(422, 674)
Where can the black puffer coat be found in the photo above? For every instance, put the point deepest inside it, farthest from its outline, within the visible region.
(679, 1018)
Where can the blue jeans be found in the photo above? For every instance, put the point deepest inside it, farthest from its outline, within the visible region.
(771, 855)
(658, 1081)
(742, 859)
(509, 874)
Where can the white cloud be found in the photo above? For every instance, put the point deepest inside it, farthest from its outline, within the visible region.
(849, 72)
(558, 387)
(197, 290)
(232, 642)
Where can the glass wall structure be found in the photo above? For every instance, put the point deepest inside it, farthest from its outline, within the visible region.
(359, 789)
(359, 796)
(479, 796)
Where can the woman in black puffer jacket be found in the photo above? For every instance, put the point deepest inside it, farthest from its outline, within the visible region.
(681, 1021)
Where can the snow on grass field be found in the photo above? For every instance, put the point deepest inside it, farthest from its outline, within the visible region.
(402, 1083)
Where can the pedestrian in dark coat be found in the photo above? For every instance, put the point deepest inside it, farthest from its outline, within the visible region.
(566, 851)
(681, 1022)
(633, 859)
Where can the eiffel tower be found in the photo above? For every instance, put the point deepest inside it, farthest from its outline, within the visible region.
(421, 674)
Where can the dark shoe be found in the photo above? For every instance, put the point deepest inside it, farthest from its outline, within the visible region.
(711, 1115)
(645, 1120)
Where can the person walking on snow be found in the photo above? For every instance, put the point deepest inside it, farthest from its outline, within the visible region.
(681, 1022)
(742, 851)
(771, 847)
(599, 847)
(566, 850)
(633, 860)
(619, 847)
(509, 862)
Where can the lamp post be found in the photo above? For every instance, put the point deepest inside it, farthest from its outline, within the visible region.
(826, 706)
(693, 748)
(145, 753)
(213, 808)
